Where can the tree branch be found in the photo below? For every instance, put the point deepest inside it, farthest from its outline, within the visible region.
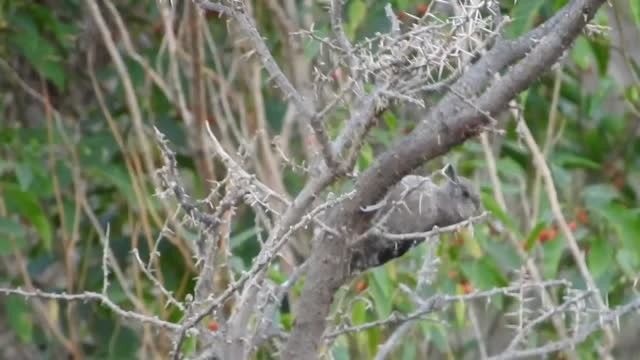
(449, 124)
(239, 13)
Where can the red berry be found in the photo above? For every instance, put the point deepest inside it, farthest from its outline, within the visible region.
(422, 9)
(582, 216)
(466, 287)
(336, 75)
(572, 225)
(213, 325)
(361, 286)
(547, 234)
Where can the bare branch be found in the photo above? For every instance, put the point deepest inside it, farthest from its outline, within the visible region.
(605, 318)
(239, 13)
(438, 302)
(93, 296)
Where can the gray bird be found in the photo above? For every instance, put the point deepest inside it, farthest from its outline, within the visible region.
(415, 204)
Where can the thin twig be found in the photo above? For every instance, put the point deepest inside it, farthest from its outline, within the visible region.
(578, 255)
(93, 296)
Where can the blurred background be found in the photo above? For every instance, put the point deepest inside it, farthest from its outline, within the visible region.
(82, 83)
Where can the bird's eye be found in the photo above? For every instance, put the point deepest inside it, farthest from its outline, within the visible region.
(465, 193)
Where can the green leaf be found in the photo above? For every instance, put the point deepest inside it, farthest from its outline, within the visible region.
(409, 352)
(38, 51)
(403, 4)
(628, 261)
(24, 176)
(5, 166)
(340, 351)
(10, 228)
(382, 136)
(471, 244)
(190, 345)
(582, 54)
(460, 309)
(240, 238)
(492, 206)
(357, 14)
(381, 288)
(503, 253)
(634, 5)
(359, 312)
(483, 273)
(116, 176)
(632, 94)
(561, 176)
(366, 157)
(596, 196)
(625, 222)
(523, 14)
(534, 234)
(28, 206)
(509, 168)
(552, 252)
(437, 334)
(19, 316)
(391, 120)
(600, 257)
(311, 46)
(567, 160)
(359, 316)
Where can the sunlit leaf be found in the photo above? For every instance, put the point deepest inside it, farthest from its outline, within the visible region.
(635, 10)
(471, 244)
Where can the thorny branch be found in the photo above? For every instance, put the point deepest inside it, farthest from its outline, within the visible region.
(449, 123)
(437, 303)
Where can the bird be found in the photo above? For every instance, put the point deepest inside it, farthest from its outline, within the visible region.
(415, 204)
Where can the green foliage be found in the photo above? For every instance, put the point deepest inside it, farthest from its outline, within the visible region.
(524, 14)
(20, 319)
